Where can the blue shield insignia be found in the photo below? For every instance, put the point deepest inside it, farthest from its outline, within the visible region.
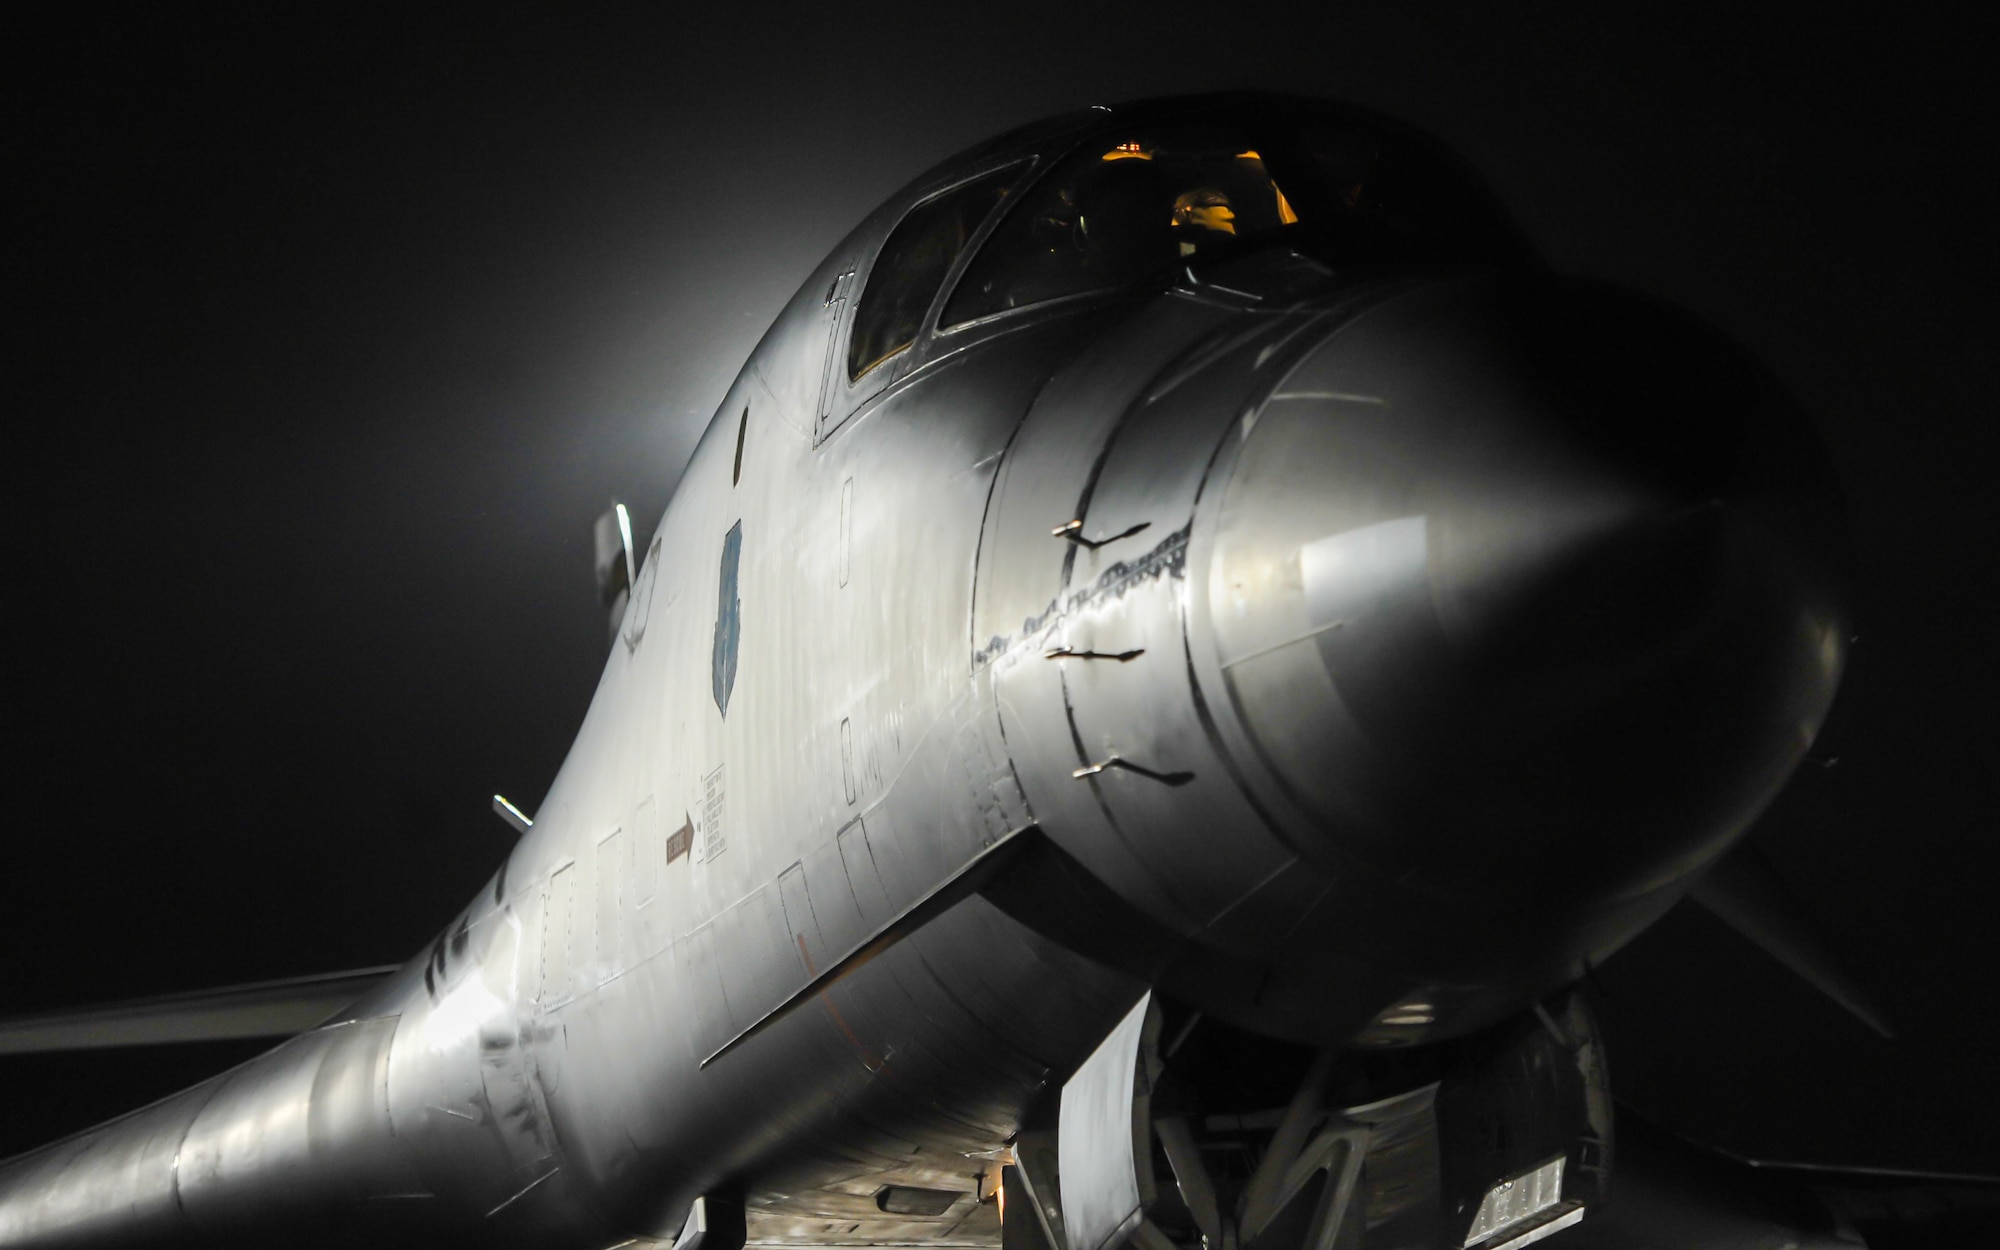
(728, 619)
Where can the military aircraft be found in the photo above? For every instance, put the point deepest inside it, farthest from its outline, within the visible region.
(1182, 648)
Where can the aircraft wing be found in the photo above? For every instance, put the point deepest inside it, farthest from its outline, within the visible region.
(260, 1009)
(1672, 1194)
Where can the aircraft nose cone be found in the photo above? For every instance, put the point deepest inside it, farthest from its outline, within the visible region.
(1526, 583)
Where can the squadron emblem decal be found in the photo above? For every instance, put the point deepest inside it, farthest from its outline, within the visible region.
(728, 620)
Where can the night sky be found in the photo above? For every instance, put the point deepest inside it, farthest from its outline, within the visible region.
(331, 337)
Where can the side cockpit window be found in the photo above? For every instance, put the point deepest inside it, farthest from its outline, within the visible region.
(913, 264)
(1121, 210)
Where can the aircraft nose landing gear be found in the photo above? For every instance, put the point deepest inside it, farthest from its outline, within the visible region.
(1489, 1143)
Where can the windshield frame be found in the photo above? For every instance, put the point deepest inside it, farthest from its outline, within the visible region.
(1276, 127)
(842, 396)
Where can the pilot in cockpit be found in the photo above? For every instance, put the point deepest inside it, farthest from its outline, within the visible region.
(1200, 216)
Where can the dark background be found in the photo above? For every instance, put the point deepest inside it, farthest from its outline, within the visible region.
(330, 336)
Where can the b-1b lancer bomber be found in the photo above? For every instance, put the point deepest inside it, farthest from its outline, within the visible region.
(1180, 650)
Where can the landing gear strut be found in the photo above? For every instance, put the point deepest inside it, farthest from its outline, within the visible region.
(1488, 1143)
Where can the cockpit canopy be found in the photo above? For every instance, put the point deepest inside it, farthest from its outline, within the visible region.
(1184, 183)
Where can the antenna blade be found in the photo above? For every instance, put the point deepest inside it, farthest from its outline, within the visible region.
(1746, 893)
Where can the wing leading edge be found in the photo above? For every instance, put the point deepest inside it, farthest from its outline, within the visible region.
(260, 1009)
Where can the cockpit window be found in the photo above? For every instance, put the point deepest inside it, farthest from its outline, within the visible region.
(912, 265)
(1134, 205)
(1120, 210)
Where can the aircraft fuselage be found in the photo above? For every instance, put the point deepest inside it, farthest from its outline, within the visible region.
(1353, 656)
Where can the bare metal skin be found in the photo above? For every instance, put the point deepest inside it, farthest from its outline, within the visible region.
(1350, 638)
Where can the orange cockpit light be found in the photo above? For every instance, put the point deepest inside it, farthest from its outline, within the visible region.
(1285, 214)
(1128, 151)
